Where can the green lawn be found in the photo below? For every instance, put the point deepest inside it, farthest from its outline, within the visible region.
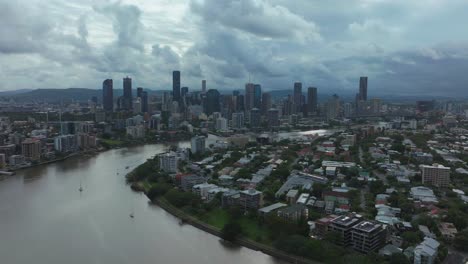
(112, 142)
(217, 218)
(252, 230)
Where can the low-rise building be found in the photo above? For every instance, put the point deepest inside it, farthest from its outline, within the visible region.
(448, 230)
(291, 196)
(343, 225)
(202, 189)
(423, 194)
(300, 180)
(426, 252)
(187, 181)
(293, 213)
(368, 236)
(251, 199)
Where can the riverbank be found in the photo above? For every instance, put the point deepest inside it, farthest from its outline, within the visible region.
(45, 162)
(245, 242)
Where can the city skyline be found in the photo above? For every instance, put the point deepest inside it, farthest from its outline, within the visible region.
(108, 40)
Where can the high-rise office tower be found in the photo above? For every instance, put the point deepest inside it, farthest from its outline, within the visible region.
(203, 85)
(127, 93)
(266, 103)
(257, 96)
(249, 96)
(240, 103)
(273, 117)
(363, 88)
(144, 101)
(333, 107)
(183, 91)
(139, 91)
(237, 120)
(108, 95)
(312, 99)
(255, 117)
(298, 96)
(176, 86)
(235, 93)
(212, 102)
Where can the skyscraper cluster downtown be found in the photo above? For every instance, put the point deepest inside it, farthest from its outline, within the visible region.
(250, 105)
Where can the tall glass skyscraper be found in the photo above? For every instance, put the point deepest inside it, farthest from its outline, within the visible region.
(363, 88)
(127, 93)
(176, 86)
(257, 96)
(108, 95)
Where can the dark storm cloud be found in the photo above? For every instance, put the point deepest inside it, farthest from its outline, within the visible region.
(272, 42)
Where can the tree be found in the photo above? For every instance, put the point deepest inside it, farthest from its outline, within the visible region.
(231, 231)
(399, 258)
(461, 241)
(158, 190)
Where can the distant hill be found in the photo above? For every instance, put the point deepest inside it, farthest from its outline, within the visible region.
(63, 95)
(57, 95)
(10, 93)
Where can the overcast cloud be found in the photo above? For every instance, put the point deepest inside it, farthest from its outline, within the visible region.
(406, 47)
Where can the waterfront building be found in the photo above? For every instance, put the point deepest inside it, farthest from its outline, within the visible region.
(31, 149)
(168, 162)
(251, 199)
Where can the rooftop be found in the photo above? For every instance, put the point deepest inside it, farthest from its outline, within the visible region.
(367, 226)
(345, 220)
(272, 207)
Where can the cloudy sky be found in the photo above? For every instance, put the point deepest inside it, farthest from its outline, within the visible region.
(404, 46)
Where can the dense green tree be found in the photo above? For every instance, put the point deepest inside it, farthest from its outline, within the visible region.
(461, 241)
(231, 231)
(399, 258)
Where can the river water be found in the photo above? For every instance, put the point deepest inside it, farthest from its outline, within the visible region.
(44, 219)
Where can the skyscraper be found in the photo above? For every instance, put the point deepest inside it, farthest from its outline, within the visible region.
(257, 96)
(144, 101)
(183, 91)
(176, 86)
(312, 99)
(333, 107)
(139, 91)
(203, 85)
(266, 103)
(255, 117)
(240, 103)
(273, 117)
(363, 88)
(108, 95)
(127, 93)
(237, 120)
(298, 96)
(212, 102)
(249, 96)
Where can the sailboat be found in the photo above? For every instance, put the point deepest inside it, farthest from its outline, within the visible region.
(81, 187)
